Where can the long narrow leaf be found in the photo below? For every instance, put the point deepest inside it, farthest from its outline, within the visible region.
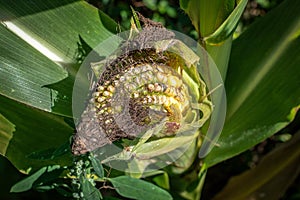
(263, 82)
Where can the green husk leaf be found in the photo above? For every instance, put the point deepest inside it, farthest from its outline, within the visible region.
(138, 189)
(228, 26)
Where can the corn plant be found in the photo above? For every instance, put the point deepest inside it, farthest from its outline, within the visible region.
(55, 80)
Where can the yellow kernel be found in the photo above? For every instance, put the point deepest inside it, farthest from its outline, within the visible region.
(96, 94)
(106, 93)
(173, 81)
(162, 99)
(100, 88)
(110, 88)
(101, 99)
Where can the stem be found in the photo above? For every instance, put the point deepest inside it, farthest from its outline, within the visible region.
(221, 54)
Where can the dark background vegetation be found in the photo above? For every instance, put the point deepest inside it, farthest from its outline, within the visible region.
(170, 15)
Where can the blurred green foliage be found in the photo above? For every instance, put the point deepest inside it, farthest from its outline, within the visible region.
(168, 12)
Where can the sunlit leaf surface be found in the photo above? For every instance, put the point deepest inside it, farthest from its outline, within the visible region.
(263, 82)
(41, 43)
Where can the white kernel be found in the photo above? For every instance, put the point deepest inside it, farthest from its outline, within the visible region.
(122, 78)
(150, 87)
(135, 95)
(149, 99)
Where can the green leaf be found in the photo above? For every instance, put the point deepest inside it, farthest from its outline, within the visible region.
(138, 189)
(24, 71)
(228, 26)
(207, 15)
(40, 55)
(89, 191)
(163, 146)
(50, 179)
(51, 153)
(38, 48)
(97, 166)
(162, 180)
(271, 177)
(36, 130)
(26, 184)
(263, 82)
(6, 133)
(216, 19)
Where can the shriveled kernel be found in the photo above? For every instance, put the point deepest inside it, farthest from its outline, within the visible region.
(158, 88)
(130, 87)
(161, 77)
(159, 68)
(136, 70)
(155, 99)
(122, 78)
(116, 82)
(162, 99)
(92, 100)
